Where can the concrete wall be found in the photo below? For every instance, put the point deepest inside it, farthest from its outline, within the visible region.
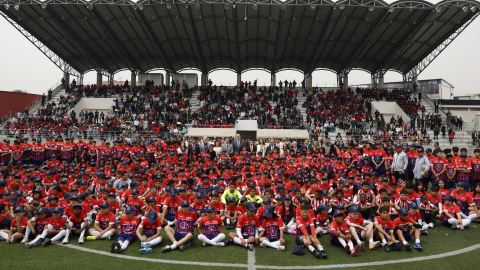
(246, 125)
(93, 104)
(156, 77)
(261, 133)
(190, 78)
(388, 109)
(467, 116)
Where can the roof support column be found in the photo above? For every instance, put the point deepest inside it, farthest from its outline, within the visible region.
(66, 78)
(203, 79)
(133, 80)
(273, 79)
(381, 82)
(99, 80)
(239, 79)
(167, 79)
(414, 81)
(345, 82)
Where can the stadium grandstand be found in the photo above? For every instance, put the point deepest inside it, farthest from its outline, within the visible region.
(288, 144)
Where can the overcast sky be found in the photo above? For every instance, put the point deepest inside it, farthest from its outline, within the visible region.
(24, 67)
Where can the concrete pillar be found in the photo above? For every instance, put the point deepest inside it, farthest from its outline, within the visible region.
(309, 81)
(66, 77)
(239, 79)
(167, 80)
(203, 78)
(381, 82)
(273, 80)
(99, 80)
(345, 82)
(133, 80)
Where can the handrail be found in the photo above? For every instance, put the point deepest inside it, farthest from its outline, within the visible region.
(466, 126)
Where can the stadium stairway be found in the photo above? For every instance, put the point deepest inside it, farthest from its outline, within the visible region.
(55, 98)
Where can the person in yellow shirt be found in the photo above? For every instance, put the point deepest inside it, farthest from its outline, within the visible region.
(231, 192)
(253, 197)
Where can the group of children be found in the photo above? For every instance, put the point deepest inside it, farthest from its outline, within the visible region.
(258, 207)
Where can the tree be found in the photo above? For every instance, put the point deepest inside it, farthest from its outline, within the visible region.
(19, 91)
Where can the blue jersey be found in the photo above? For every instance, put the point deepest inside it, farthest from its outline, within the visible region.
(185, 221)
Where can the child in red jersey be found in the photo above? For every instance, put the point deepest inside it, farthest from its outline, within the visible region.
(76, 223)
(248, 226)
(56, 226)
(212, 229)
(38, 226)
(340, 235)
(17, 227)
(359, 233)
(105, 225)
(184, 228)
(128, 226)
(322, 221)
(415, 215)
(231, 213)
(451, 215)
(384, 230)
(271, 232)
(406, 228)
(305, 230)
(152, 228)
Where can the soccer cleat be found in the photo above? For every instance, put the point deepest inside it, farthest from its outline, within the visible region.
(293, 232)
(90, 238)
(14, 240)
(181, 247)
(387, 249)
(81, 240)
(347, 249)
(362, 246)
(418, 246)
(250, 247)
(229, 242)
(113, 247)
(145, 250)
(203, 244)
(220, 244)
(146, 245)
(316, 254)
(477, 220)
(282, 248)
(262, 245)
(424, 233)
(430, 225)
(166, 249)
(47, 242)
(65, 241)
(108, 238)
(28, 245)
(323, 253)
(454, 227)
(119, 248)
(24, 240)
(38, 243)
(374, 245)
(355, 251)
(408, 247)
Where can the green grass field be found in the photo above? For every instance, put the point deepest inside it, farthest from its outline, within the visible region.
(440, 240)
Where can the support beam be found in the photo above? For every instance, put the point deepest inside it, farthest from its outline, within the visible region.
(381, 82)
(274, 79)
(132, 63)
(87, 54)
(321, 40)
(154, 40)
(239, 79)
(99, 80)
(345, 82)
(202, 64)
(309, 82)
(133, 80)
(203, 79)
(237, 41)
(167, 79)
(277, 41)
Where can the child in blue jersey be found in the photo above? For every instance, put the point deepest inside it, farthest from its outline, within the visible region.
(271, 234)
(248, 225)
(184, 223)
(38, 226)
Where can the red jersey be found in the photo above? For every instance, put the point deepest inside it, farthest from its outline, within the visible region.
(211, 226)
(57, 224)
(105, 221)
(151, 228)
(248, 226)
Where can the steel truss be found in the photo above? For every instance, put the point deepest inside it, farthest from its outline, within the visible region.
(426, 61)
(57, 60)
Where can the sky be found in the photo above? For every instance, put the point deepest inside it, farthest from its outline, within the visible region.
(24, 67)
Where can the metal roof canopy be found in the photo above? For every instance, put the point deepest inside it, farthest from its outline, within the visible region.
(109, 36)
